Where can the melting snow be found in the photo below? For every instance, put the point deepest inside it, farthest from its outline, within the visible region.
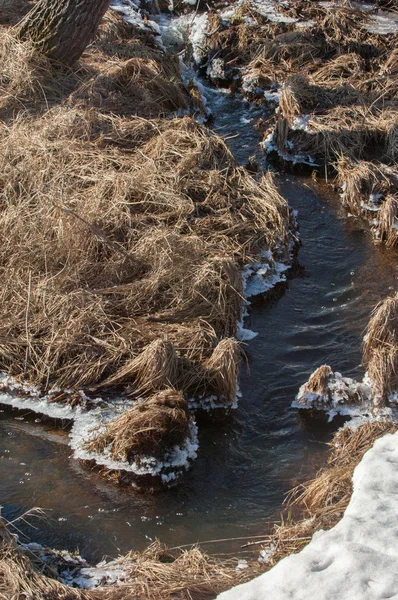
(357, 559)
(130, 10)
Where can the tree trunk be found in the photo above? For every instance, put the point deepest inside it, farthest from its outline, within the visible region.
(62, 29)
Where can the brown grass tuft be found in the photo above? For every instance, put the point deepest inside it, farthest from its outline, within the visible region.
(388, 222)
(380, 348)
(155, 368)
(20, 579)
(318, 382)
(360, 180)
(149, 428)
(158, 574)
(222, 369)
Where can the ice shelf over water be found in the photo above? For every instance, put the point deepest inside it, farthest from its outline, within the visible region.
(358, 558)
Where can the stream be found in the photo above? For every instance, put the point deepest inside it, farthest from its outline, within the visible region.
(245, 466)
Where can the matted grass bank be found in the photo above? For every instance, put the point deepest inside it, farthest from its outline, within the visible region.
(125, 227)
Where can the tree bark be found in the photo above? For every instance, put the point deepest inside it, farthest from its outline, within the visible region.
(62, 29)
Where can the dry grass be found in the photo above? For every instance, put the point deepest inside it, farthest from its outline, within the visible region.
(154, 369)
(112, 239)
(318, 382)
(122, 237)
(361, 180)
(149, 428)
(300, 97)
(20, 579)
(380, 349)
(154, 574)
(351, 130)
(388, 221)
(222, 368)
(157, 574)
(122, 72)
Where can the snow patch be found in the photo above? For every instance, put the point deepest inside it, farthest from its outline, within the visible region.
(197, 37)
(357, 559)
(131, 12)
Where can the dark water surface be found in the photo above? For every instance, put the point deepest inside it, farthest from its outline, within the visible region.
(245, 466)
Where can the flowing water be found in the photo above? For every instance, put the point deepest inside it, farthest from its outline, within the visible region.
(246, 465)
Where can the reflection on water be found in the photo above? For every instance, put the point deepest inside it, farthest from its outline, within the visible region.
(247, 465)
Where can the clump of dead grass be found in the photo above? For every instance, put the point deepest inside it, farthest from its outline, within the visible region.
(355, 132)
(369, 189)
(318, 382)
(158, 574)
(150, 428)
(380, 349)
(122, 72)
(153, 369)
(346, 68)
(222, 368)
(123, 222)
(388, 221)
(27, 79)
(360, 181)
(300, 97)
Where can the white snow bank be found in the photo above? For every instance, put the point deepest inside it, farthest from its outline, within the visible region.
(358, 558)
(197, 37)
(131, 12)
